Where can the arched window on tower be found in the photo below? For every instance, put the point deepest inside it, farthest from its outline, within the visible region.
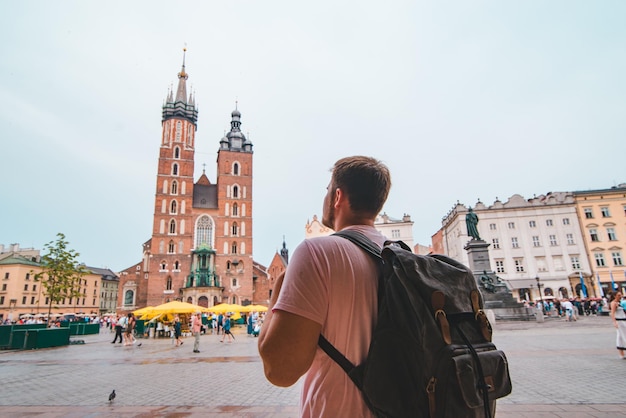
(168, 284)
(174, 187)
(171, 248)
(179, 130)
(235, 229)
(176, 265)
(235, 209)
(163, 265)
(177, 152)
(173, 207)
(236, 169)
(204, 231)
(172, 226)
(235, 192)
(174, 169)
(233, 248)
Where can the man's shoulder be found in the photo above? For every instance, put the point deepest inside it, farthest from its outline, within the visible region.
(367, 230)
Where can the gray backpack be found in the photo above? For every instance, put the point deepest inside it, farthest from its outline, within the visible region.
(431, 353)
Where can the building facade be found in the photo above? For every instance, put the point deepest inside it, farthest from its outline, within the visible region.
(21, 293)
(602, 217)
(536, 245)
(109, 282)
(393, 229)
(200, 250)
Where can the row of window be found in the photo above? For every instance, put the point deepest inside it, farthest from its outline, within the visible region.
(575, 264)
(536, 241)
(604, 211)
(518, 264)
(232, 248)
(129, 298)
(7, 275)
(47, 302)
(235, 229)
(531, 224)
(175, 171)
(610, 232)
(616, 256)
(34, 289)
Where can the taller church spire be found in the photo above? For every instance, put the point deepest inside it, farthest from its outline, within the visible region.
(181, 93)
(183, 106)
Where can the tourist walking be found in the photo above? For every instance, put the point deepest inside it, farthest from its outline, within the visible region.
(119, 325)
(196, 327)
(130, 327)
(226, 328)
(220, 322)
(619, 321)
(177, 331)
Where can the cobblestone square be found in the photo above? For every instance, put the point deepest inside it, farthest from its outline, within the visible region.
(558, 369)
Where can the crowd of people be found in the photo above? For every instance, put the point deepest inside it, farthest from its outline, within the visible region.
(571, 308)
(182, 324)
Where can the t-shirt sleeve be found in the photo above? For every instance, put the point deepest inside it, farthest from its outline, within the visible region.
(305, 290)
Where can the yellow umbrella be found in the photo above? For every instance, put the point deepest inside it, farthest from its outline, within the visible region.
(171, 308)
(226, 307)
(143, 311)
(256, 308)
(175, 307)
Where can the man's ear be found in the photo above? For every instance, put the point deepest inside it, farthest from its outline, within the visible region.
(340, 198)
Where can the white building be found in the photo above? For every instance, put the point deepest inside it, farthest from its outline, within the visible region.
(530, 239)
(393, 229)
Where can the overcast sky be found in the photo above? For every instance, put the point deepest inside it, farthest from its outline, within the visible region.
(461, 99)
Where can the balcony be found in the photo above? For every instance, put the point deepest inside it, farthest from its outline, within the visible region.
(202, 278)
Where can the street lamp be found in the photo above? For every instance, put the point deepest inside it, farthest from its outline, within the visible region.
(543, 308)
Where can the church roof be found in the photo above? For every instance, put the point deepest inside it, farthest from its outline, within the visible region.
(203, 180)
(205, 196)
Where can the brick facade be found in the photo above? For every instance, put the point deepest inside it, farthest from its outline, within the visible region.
(200, 250)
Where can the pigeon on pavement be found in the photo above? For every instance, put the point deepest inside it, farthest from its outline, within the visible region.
(112, 396)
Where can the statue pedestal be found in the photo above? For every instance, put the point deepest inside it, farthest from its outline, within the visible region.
(496, 295)
(478, 252)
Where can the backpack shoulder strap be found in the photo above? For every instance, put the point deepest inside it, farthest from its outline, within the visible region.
(372, 249)
(362, 241)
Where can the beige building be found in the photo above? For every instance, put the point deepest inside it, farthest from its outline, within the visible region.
(21, 293)
(109, 282)
(602, 217)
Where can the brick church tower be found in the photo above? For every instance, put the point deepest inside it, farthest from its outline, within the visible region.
(201, 245)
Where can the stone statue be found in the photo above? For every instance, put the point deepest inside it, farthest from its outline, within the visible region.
(491, 284)
(471, 220)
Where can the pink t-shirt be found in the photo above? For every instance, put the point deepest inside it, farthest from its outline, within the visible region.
(333, 282)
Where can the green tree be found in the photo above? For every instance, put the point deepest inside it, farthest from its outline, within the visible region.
(61, 275)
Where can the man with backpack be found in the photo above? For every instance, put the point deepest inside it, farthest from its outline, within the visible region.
(330, 288)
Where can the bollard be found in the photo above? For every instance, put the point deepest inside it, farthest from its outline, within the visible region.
(491, 316)
(539, 315)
